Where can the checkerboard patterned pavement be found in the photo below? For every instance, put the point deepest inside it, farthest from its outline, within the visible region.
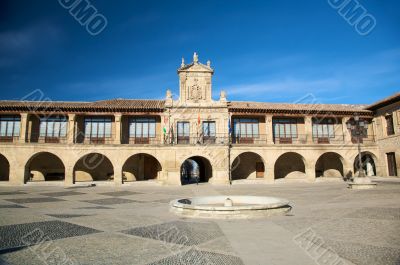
(133, 225)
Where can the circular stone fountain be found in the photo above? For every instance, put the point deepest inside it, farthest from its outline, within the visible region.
(230, 206)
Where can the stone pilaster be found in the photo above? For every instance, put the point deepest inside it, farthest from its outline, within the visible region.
(118, 174)
(310, 172)
(269, 174)
(24, 127)
(346, 132)
(269, 129)
(117, 122)
(17, 173)
(71, 129)
(69, 175)
(308, 129)
(396, 122)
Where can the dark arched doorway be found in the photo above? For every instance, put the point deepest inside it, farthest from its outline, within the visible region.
(195, 169)
(4, 169)
(248, 165)
(93, 167)
(290, 165)
(329, 165)
(367, 163)
(44, 166)
(141, 167)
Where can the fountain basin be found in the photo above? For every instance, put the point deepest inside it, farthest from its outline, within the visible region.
(230, 206)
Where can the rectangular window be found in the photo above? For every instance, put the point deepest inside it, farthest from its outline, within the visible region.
(324, 128)
(142, 128)
(209, 132)
(285, 128)
(392, 167)
(245, 128)
(183, 130)
(10, 126)
(98, 127)
(54, 127)
(209, 128)
(389, 124)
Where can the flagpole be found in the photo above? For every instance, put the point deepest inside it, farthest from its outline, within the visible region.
(229, 150)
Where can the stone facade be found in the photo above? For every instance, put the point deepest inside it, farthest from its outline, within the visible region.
(141, 141)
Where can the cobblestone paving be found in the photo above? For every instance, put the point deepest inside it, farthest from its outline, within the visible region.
(66, 216)
(11, 206)
(34, 200)
(94, 208)
(134, 225)
(199, 257)
(11, 193)
(120, 193)
(184, 233)
(110, 201)
(61, 193)
(26, 234)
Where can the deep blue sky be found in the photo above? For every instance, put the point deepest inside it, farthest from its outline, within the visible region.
(270, 50)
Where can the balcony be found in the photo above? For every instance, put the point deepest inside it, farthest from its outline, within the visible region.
(259, 139)
(198, 139)
(98, 140)
(141, 140)
(193, 139)
(338, 139)
(299, 139)
(9, 139)
(37, 138)
(369, 139)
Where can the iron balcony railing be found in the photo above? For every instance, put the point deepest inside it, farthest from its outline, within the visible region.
(367, 139)
(247, 139)
(193, 139)
(99, 140)
(294, 139)
(40, 138)
(9, 139)
(135, 140)
(85, 139)
(337, 139)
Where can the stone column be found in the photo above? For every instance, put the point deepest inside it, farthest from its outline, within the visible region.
(117, 136)
(118, 174)
(269, 170)
(308, 129)
(310, 171)
(347, 168)
(396, 122)
(17, 173)
(24, 127)
(346, 132)
(164, 124)
(374, 129)
(269, 129)
(71, 129)
(69, 175)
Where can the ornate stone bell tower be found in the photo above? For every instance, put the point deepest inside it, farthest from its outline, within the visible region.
(195, 82)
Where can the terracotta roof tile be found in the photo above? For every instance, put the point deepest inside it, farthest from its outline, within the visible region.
(299, 108)
(383, 102)
(113, 105)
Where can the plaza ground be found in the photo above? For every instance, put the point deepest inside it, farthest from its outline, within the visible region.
(134, 225)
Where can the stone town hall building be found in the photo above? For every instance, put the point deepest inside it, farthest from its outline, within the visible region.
(126, 141)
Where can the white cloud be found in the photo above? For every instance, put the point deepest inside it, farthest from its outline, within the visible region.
(326, 79)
